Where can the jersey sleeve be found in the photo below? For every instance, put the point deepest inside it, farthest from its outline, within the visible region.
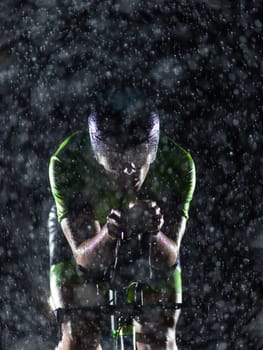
(59, 182)
(188, 182)
(183, 179)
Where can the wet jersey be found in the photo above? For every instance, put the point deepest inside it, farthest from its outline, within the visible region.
(74, 170)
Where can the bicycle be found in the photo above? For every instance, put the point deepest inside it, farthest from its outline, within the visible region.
(120, 333)
(125, 298)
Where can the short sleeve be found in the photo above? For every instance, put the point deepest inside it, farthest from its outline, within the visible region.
(188, 184)
(59, 182)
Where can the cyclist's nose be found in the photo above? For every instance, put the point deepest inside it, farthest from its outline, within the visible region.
(129, 169)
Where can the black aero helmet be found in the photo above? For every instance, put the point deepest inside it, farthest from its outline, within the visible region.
(124, 121)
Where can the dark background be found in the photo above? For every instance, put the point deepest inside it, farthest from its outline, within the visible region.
(201, 61)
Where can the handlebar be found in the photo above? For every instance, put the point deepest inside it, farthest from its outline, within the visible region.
(126, 310)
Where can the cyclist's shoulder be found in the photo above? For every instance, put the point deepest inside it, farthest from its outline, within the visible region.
(77, 142)
(170, 152)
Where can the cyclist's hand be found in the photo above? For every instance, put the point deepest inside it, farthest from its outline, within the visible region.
(114, 223)
(144, 217)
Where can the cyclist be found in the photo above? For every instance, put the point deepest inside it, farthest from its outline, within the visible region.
(121, 176)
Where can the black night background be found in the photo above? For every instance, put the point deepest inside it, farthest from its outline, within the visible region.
(201, 62)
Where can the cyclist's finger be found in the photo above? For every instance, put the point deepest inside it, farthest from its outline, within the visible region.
(114, 215)
(153, 207)
(115, 212)
(153, 204)
(157, 217)
(158, 220)
(157, 211)
(153, 212)
(161, 222)
(113, 221)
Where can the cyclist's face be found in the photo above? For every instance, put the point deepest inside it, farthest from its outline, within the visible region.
(128, 168)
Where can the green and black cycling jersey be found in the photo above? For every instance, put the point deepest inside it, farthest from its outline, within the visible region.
(74, 170)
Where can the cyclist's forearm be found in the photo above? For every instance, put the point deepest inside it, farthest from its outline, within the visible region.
(97, 252)
(164, 251)
(179, 231)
